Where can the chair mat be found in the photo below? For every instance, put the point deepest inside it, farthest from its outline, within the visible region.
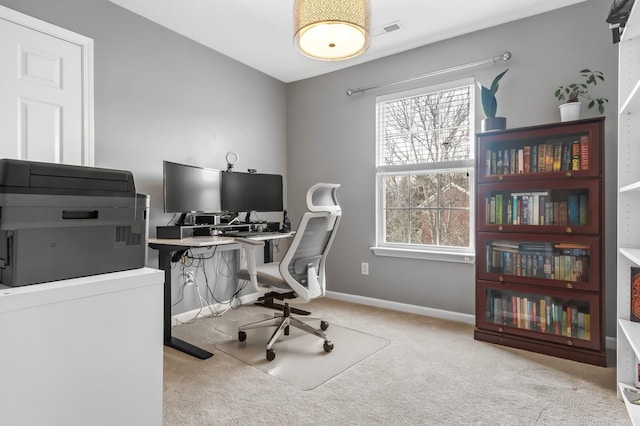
(300, 358)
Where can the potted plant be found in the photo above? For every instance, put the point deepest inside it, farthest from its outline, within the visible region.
(490, 105)
(571, 94)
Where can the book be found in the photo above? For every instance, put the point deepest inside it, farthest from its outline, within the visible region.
(492, 209)
(520, 161)
(534, 218)
(527, 159)
(525, 210)
(557, 157)
(512, 163)
(542, 157)
(534, 159)
(634, 315)
(566, 157)
(573, 210)
(584, 209)
(506, 165)
(494, 161)
(548, 152)
(498, 216)
(487, 170)
(562, 213)
(584, 152)
(580, 325)
(575, 155)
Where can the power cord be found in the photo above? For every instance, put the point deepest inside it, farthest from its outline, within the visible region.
(189, 278)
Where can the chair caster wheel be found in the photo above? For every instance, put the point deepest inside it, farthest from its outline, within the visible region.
(271, 354)
(328, 346)
(324, 325)
(242, 336)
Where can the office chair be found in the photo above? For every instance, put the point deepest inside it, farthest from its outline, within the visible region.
(300, 276)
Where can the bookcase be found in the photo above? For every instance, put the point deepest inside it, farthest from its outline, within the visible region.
(539, 239)
(628, 242)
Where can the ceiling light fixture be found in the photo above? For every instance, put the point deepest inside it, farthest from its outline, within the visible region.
(331, 30)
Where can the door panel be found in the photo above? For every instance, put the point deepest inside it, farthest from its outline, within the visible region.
(41, 96)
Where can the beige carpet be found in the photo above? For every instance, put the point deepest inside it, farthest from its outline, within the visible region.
(432, 373)
(300, 357)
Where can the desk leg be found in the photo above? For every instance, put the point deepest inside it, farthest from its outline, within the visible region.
(164, 263)
(268, 251)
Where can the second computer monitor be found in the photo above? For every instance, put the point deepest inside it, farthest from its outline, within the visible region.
(246, 192)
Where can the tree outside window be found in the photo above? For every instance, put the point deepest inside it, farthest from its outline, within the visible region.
(424, 168)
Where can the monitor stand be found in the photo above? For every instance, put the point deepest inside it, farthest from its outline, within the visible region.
(182, 220)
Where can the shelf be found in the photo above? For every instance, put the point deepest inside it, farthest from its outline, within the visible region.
(631, 187)
(631, 331)
(632, 409)
(632, 28)
(633, 254)
(628, 228)
(632, 102)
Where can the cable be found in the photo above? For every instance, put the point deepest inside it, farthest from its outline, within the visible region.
(199, 262)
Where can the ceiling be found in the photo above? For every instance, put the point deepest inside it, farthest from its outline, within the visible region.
(259, 33)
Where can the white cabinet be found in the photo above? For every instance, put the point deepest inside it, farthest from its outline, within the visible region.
(83, 351)
(628, 245)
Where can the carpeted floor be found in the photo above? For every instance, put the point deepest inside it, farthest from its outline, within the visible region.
(432, 373)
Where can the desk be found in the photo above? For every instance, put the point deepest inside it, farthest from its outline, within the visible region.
(165, 249)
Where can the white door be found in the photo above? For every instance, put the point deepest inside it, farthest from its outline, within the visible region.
(43, 111)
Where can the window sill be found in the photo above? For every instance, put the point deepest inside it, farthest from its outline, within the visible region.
(441, 256)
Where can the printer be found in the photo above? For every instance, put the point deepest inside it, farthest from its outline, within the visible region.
(61, 221)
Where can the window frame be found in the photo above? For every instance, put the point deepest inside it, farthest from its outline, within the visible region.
(420, 251)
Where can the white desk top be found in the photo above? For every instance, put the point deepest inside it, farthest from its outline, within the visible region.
(215, 240)
(193, 241)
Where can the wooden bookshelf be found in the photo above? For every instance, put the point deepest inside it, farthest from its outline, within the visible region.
(539, 240)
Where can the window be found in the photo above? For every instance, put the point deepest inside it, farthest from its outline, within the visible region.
(424, 173)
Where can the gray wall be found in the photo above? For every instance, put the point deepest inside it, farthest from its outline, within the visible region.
(160, 96)
(331, 137)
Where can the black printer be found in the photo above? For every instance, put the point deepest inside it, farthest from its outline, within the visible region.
(61, 221)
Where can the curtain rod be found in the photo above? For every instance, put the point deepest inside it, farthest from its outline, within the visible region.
(504, 57)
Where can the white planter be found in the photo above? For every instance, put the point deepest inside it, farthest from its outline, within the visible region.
(570, 111)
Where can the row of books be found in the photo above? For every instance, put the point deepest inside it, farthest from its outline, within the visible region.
(536, 208)
(554, 261)
(541, 158)
(538, 313)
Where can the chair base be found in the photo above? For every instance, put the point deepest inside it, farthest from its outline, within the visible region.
(282, 324)
(267, 302)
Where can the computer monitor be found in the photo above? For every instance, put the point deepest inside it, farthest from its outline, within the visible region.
(247, 192)
(190, 189)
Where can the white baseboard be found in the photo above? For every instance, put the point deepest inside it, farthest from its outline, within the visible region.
(206, 311)
(403, 307)
(610, 342)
